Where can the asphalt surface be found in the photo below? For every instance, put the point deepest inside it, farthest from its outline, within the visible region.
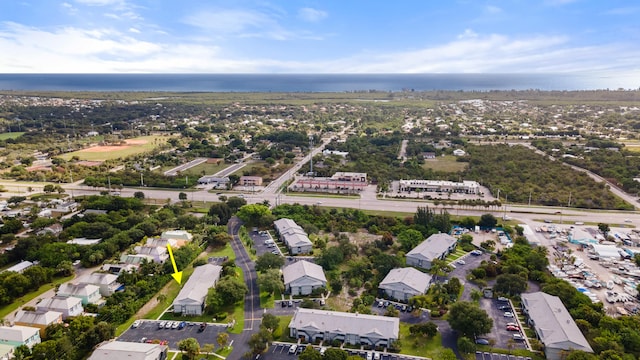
(280, 351)
(149, 331)
(493, 356)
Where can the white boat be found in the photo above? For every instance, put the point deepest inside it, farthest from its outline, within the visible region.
(617, 281)
(631, 291)
(610, 284)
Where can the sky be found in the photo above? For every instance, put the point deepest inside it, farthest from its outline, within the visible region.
(320, 36)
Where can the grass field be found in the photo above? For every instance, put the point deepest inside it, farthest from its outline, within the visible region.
(10, 135)
(446, 163)
(418, 345)
(205, 169)
(134, 146)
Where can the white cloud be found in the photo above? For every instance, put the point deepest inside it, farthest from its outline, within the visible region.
(101, 2)
(468, 34)
(134, 30)
(311, 14)
(490, 9)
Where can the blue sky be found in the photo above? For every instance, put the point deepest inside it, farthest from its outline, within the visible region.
(320, 36)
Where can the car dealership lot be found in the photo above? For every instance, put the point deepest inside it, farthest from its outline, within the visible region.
(149, 331)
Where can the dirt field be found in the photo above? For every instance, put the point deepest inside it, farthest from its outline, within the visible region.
(132, 147)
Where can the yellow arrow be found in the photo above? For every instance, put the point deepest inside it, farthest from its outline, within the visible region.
(176, 274)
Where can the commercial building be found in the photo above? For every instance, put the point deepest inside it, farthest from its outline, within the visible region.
(355, 329)
(436, 246)
(404, 283)
(340, 181)
(250, 181)
(553, 325)
(302, 277)
(440, 186)
(191, 299)
(113, 350)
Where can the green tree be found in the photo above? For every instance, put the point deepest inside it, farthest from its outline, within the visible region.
(258, 341)
(231, 290)
(222, 339)
(604, 229)
(468, 319)
(139, 195)
(445, 354)
(409, 239)
(189, 347)
(222, 211)
(487, 221)
(335, 354)
(49, 188)
(510, 284)
(257, 215)
(182, 196)
(269, 261)
(270, 281)
(466, 345)
(310, 353)
(236, 203)
(270, 322)
(331, 258)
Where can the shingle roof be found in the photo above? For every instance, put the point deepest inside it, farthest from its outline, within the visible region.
(198, 285)
(409, 277)
(300, 269)
(434, 246)
(553, 322)
(347, 323)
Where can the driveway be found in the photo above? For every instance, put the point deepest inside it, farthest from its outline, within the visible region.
(149, 331)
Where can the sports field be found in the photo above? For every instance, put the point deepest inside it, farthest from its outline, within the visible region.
(10, 135)
(132, 147)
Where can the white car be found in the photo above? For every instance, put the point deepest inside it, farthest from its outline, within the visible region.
(369, 356)
(508, 314)
(376, 356)
(293, 348)
(136, 324)
(460, 262)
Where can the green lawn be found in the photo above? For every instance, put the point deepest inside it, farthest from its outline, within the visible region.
(447, 163)
(152, 142)
(418, 345)
(17, 303)
(11, 135)
(205, 168)
(282, 334)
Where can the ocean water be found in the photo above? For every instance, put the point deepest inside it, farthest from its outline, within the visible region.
(310, 82)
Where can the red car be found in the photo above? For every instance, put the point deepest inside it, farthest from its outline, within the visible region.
(513, 328)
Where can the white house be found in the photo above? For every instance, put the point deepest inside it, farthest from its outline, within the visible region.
(302, 277)
(159, 254)
(404, 283)
(88, 293)
(19, 335)
(68, 306)
(107, 283)
(177, 234)
(38, 319)
(114, 350)
(191, 299)
(553, 325)
(436, 246)
(355, 329)
(294, 237)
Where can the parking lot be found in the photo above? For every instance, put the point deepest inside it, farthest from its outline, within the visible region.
(149, 331)
(408, 315)
(261, 242)
(499, 333)
(281, 351)
(493, 356)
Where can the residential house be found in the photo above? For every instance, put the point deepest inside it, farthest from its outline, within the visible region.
(107, 283)
(293, 236)
(177, 234)
(302, 277)
(6, 352)
(135, 259)
(88, 293)
(553, 325)
(158, 254)
(114, 350)
(68, 306)
(403, 283)
(67, 207)
(351, 328)
(191, 299)
(436, 246)
(38, 319)
(54, 229)
(19, 335)
(20, 267)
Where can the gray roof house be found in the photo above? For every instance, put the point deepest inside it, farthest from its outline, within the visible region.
(302, 277)
(68, 306)
(191, 299)
(293, 236)
(129, 350)
(553, 325)
(436, 246)
(88, 293)
(404, 283)
(356, 329)
(107, 283)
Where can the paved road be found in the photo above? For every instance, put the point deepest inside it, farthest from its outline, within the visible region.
(252, 313)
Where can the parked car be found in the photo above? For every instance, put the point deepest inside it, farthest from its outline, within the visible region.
(386, 304)
(404, 307)
(476, 253)
(202, 327)
(290, 303)
(502, 298)
(512, 328)
(376, 356)
(284, 303)
(182, 325)
(162, 324)
(175, 324)
(508, 314)
(136, 324)
(512, 324)
(323, 350)
(518, 337)
(369, 356)
(293, 348)
(482, 341)
(504, 307)
(380, 304)
(460, 262)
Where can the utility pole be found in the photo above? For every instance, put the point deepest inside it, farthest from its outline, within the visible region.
(530, 197)
(109, 182)
(311, 155)
(141, 179)
(569, 205)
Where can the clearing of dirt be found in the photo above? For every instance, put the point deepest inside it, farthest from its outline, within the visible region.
(105, 148)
